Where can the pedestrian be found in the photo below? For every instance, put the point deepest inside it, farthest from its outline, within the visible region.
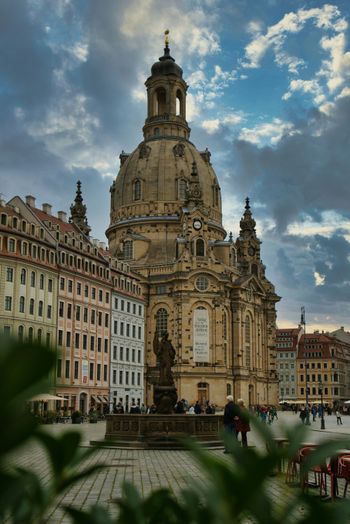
(197, 408)
(302, 414)
(179, 407)
(231, 414)
(208, 408)
(338, 415)
(191, 410)
(143, 409)
(242, 424)
(314, 413)
(134, 409)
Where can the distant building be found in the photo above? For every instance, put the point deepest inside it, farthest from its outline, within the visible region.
(287, 344)
(322, 364)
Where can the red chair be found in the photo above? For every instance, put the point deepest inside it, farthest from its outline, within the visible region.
(293, 467)
(344, 471)
(320, 472)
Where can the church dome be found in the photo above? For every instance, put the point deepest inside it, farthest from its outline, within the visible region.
(159, 170)
(166, 65)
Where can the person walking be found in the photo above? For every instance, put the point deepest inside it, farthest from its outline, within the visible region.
(338, 415)
(197, 408)
(231, 413)
(302, 415)
(242, 424)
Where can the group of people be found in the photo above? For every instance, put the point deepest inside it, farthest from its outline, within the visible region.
(318, 410)
(266, 414)
(236, 420)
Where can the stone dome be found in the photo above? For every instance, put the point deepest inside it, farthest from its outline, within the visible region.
(166, 66)
(162, 167)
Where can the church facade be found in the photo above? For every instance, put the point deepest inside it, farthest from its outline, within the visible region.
(207, 291)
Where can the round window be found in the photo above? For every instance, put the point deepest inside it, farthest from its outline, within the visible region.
(202, 283)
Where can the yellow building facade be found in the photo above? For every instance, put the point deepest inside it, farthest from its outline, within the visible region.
(207, 291)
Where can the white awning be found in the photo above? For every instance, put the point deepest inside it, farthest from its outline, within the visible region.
(45, 397)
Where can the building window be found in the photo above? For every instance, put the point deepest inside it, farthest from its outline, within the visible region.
(199, 247)
(30, 334)
(9, 274)
(247, 340)
(105, 373)
(41, 281)
(60, 337)
(11, 245)
(114, 379)
(8, 303)
(128, 249)
(91, 371)
(69, 311)
(59, 368)
(67, 369)
(31, 306)
(68, 339)
(182, 192)
(40, 335)
(77, 313)
(93, 316)
(85, 342)
(120, 377)
(99, 344)
(61, 309)
(139, 356)
(106, 320)
(78, 288)
(70, 286)
(49, 285)
(20, 332)
(77, 340)
(86, 291)
(62, 281)
(23, 276)
(98, 371)
(137, 190)
(202, 283)
(92, 343)
(106, 345)
(121, 353)
(161, 321)
(76, 369)
(21, 304)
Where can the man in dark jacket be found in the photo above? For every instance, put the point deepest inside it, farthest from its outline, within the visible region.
(231, 414)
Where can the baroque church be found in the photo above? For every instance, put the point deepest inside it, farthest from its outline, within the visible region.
(207, 291)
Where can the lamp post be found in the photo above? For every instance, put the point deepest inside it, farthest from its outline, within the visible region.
(303, 323)
(320, 389)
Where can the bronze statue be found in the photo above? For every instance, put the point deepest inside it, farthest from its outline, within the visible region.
(165, 359)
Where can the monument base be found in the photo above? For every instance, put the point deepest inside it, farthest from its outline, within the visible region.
(160, 431)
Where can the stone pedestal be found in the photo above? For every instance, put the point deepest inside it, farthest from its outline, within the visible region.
(165, 398)
(161, 431)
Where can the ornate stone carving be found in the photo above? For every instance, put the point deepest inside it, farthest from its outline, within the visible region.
(179, 150)
(144, 151)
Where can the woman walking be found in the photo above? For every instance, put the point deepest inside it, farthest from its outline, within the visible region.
(242, 424)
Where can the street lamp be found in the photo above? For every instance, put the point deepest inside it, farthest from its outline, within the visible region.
(303, 323)
(320, 390)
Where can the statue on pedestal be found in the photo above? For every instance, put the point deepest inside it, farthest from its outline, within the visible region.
(165, 395)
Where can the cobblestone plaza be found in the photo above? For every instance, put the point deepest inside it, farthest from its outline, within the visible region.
(149, 470)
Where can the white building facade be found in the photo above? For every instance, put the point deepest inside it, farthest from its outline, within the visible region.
(127, 350)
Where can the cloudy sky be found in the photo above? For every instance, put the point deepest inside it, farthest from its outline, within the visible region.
(269, 96)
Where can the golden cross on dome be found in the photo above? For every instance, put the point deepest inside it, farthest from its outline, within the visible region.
(166, 37)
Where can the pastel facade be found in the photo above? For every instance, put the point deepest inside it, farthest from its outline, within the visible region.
(287, 345)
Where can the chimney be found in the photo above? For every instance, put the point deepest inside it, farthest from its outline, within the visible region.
(47, 208)
(62, 215)
(30, 201)
(95, 242)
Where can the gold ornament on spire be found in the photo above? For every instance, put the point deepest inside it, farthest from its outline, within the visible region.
(166, 37)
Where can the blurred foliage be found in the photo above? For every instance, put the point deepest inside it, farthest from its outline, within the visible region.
(239, 488)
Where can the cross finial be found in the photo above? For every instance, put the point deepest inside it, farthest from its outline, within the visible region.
(247, 206)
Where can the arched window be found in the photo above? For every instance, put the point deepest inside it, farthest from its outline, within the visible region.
(182, 189)
(160, 101)
(20, 332)
(224, 329)
(179, 103)
(31, 306)
(156, 131)
(247, 340)
(200, 247)
(23, 276)
(137, 190)
(128, 249)
(32, 279)
(40, 335)
(30, 334)
(40, 308)
(21, 304)
(162, 321)
(11, 245)
(41, 283)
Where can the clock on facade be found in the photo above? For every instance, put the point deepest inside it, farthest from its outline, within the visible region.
(251, 251)
(197, 224)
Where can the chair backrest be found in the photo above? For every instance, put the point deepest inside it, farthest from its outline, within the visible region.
(344, 467)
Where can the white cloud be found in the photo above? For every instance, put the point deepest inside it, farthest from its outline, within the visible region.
(269, 132)
(337, 69)
(327, 17)
(311, 87)
(344, 92)
(230, 119)
(319, 279)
